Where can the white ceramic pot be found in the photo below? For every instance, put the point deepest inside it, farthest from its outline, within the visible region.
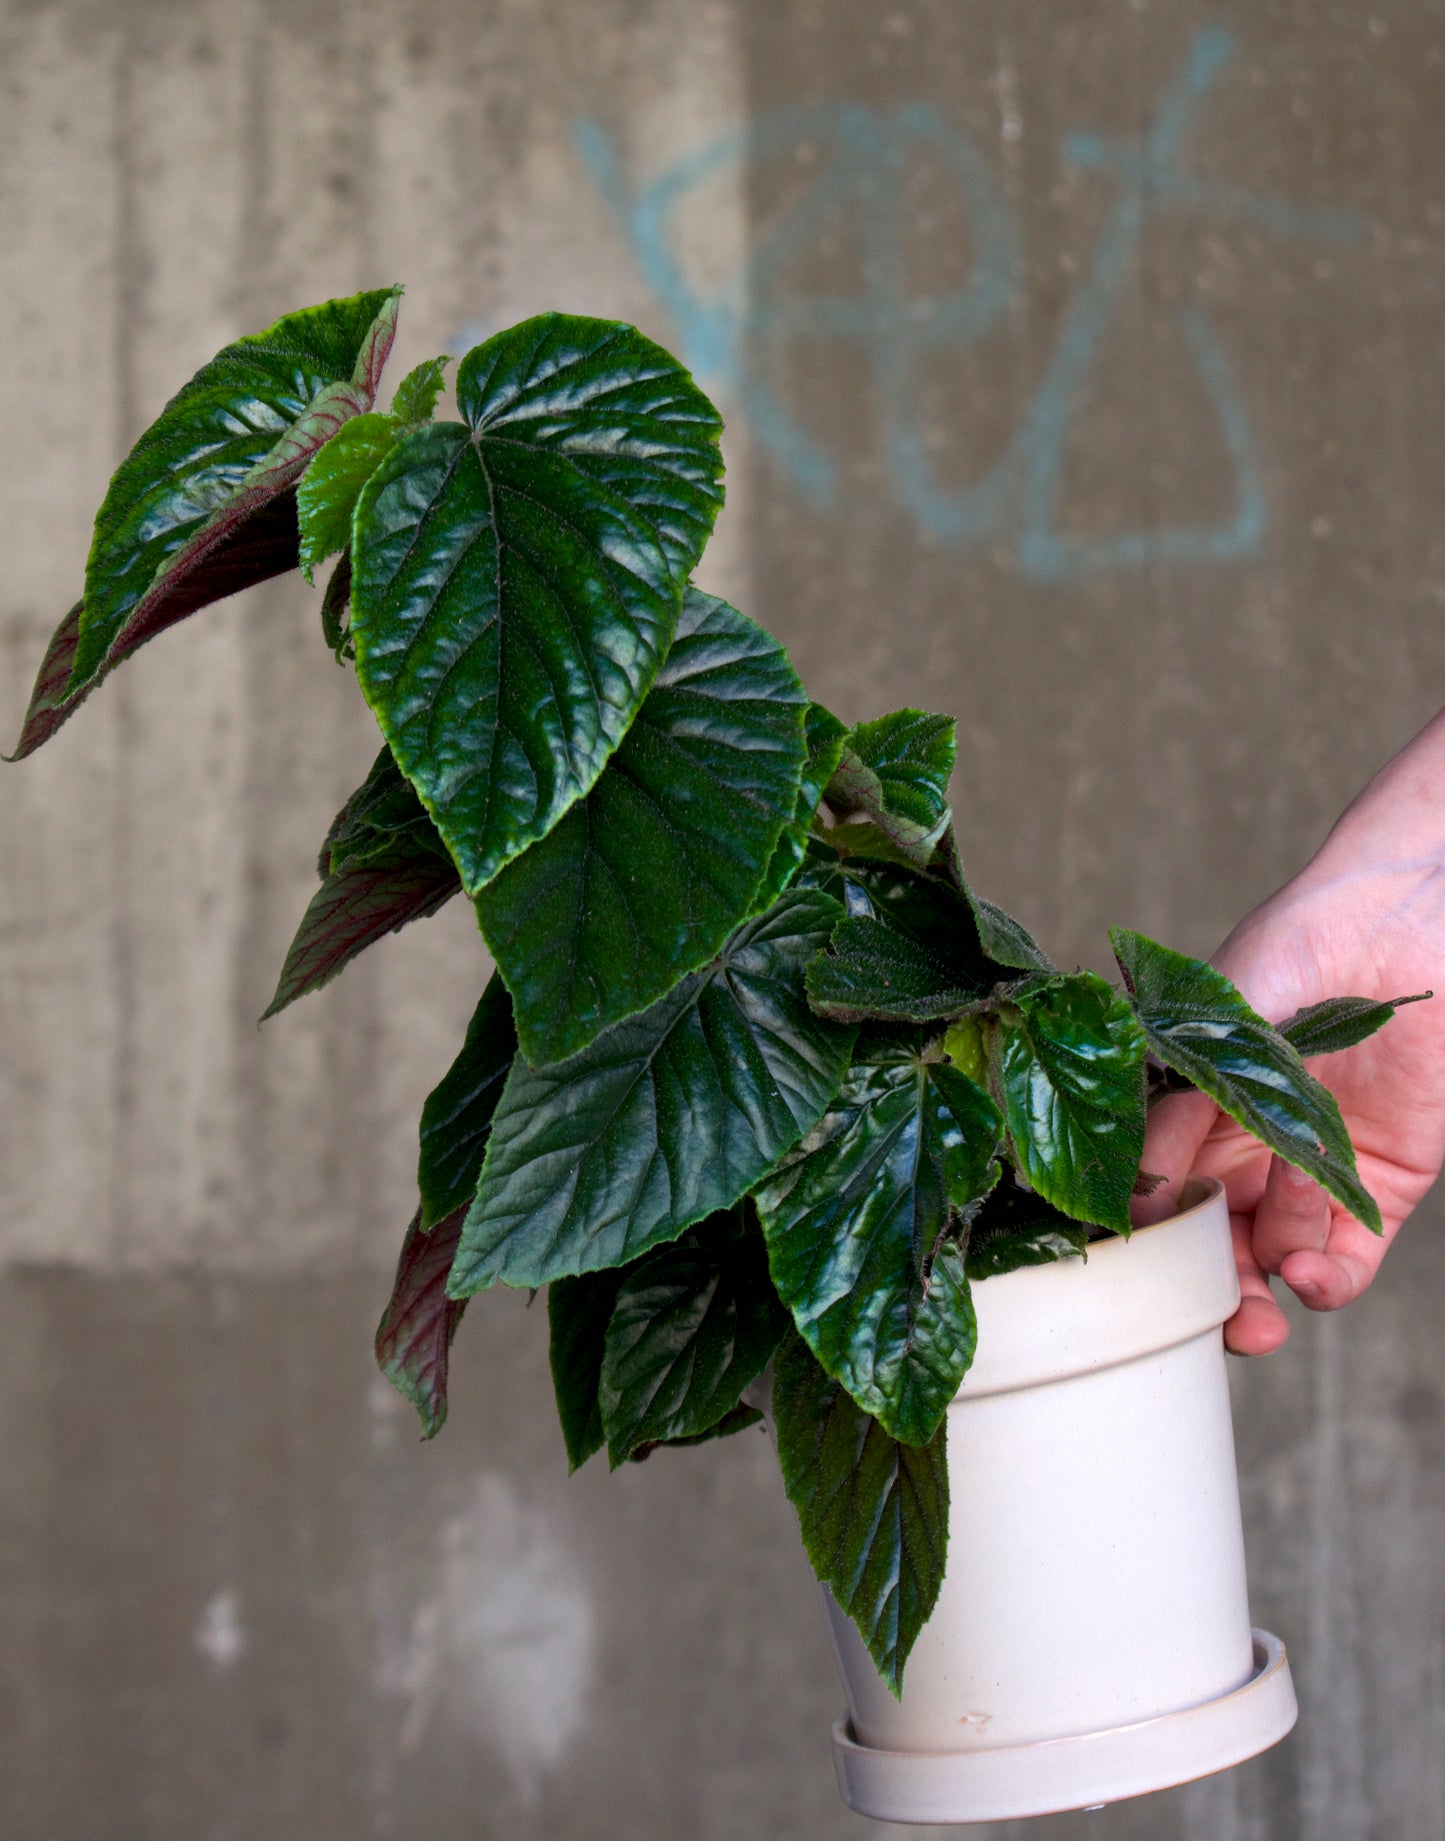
(1092, 1638)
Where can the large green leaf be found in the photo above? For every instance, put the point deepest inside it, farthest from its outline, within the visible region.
(1070, 1068)
(1017, 1228)
(824, 736)
(578, 1312)
(414, 1337)
(857, 1223)
(1198, 1024)
(517, 575)
(458, 1112)
(644, 879)
(694, 1322)
(873, 1511)
(665, 1118)
(894, 774)
(1340, 1022)
(382, 866)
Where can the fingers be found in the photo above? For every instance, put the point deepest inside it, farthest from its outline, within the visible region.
(1177, 1128)
(1328, 1279)
(1293, 1216)
(1258, 1327)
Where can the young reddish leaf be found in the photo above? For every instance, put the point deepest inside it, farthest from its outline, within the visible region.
(48, 705)
(353, 909)
(414, 1337)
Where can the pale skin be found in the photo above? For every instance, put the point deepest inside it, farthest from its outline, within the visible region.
(1364, 918)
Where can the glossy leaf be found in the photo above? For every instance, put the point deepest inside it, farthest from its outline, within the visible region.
(666, 1118)
(823, 736)
(1198, 1024)
(578, 1312)
(1341, 1022)
(414, 1337)
(873, 1511)
(894, 773)
(644, 879)
(694, 1323)
(417, 393)
(1017, 1228)
(1069, 1060)
(518, 574)
(856, 1227)
(203, 504)
(458, 1112)
(332, 484)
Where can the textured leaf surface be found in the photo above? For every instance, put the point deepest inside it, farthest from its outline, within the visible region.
(644, 879)
(1017, 1228)
(1341, 1022)
(458, 1112)
(383, 820)
(666, 1118)
(1070, 1068)
(824, 736)
(856, 1224)
(1198, 1024)
(336, 609)
(417, 393)
(873, 1511)
(693, 1324)
(518, 574)
(578, 1312)
(414, 1337)
(894, 773)
(1005, 940)
(740, 1419)
(51, 702)
(332, 484)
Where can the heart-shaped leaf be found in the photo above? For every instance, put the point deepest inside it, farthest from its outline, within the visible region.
(894, 774)
(1014, 1228)
(458, 1112)
(1198, 1024)
(1341, 1022)
(872, 1510)
(1070, 1069)
(517, 576)
(666, 1118)
(856, 1226)
(414, 1337)
(644, 879)
(693, 1323)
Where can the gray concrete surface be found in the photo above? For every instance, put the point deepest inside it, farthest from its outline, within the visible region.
(1082, 370)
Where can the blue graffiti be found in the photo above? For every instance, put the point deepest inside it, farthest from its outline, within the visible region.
(863, 159)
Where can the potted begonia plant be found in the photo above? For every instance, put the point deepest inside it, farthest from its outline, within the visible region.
(781, 1112)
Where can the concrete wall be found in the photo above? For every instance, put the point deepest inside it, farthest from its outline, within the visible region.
(1081, 364)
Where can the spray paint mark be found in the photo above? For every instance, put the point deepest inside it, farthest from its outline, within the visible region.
(861, 157)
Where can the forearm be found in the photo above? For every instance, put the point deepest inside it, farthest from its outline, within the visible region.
(1396, 825)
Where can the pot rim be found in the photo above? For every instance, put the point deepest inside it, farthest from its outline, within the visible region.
(1164, 1285)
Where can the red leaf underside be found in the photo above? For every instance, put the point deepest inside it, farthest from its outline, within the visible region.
(414, 1337)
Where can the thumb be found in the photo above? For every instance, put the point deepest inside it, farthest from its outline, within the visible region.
(1177, 1128)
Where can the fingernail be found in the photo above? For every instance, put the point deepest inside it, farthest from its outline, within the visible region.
(1307, 1291)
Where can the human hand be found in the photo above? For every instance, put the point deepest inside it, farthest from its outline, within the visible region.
(1366, 918)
